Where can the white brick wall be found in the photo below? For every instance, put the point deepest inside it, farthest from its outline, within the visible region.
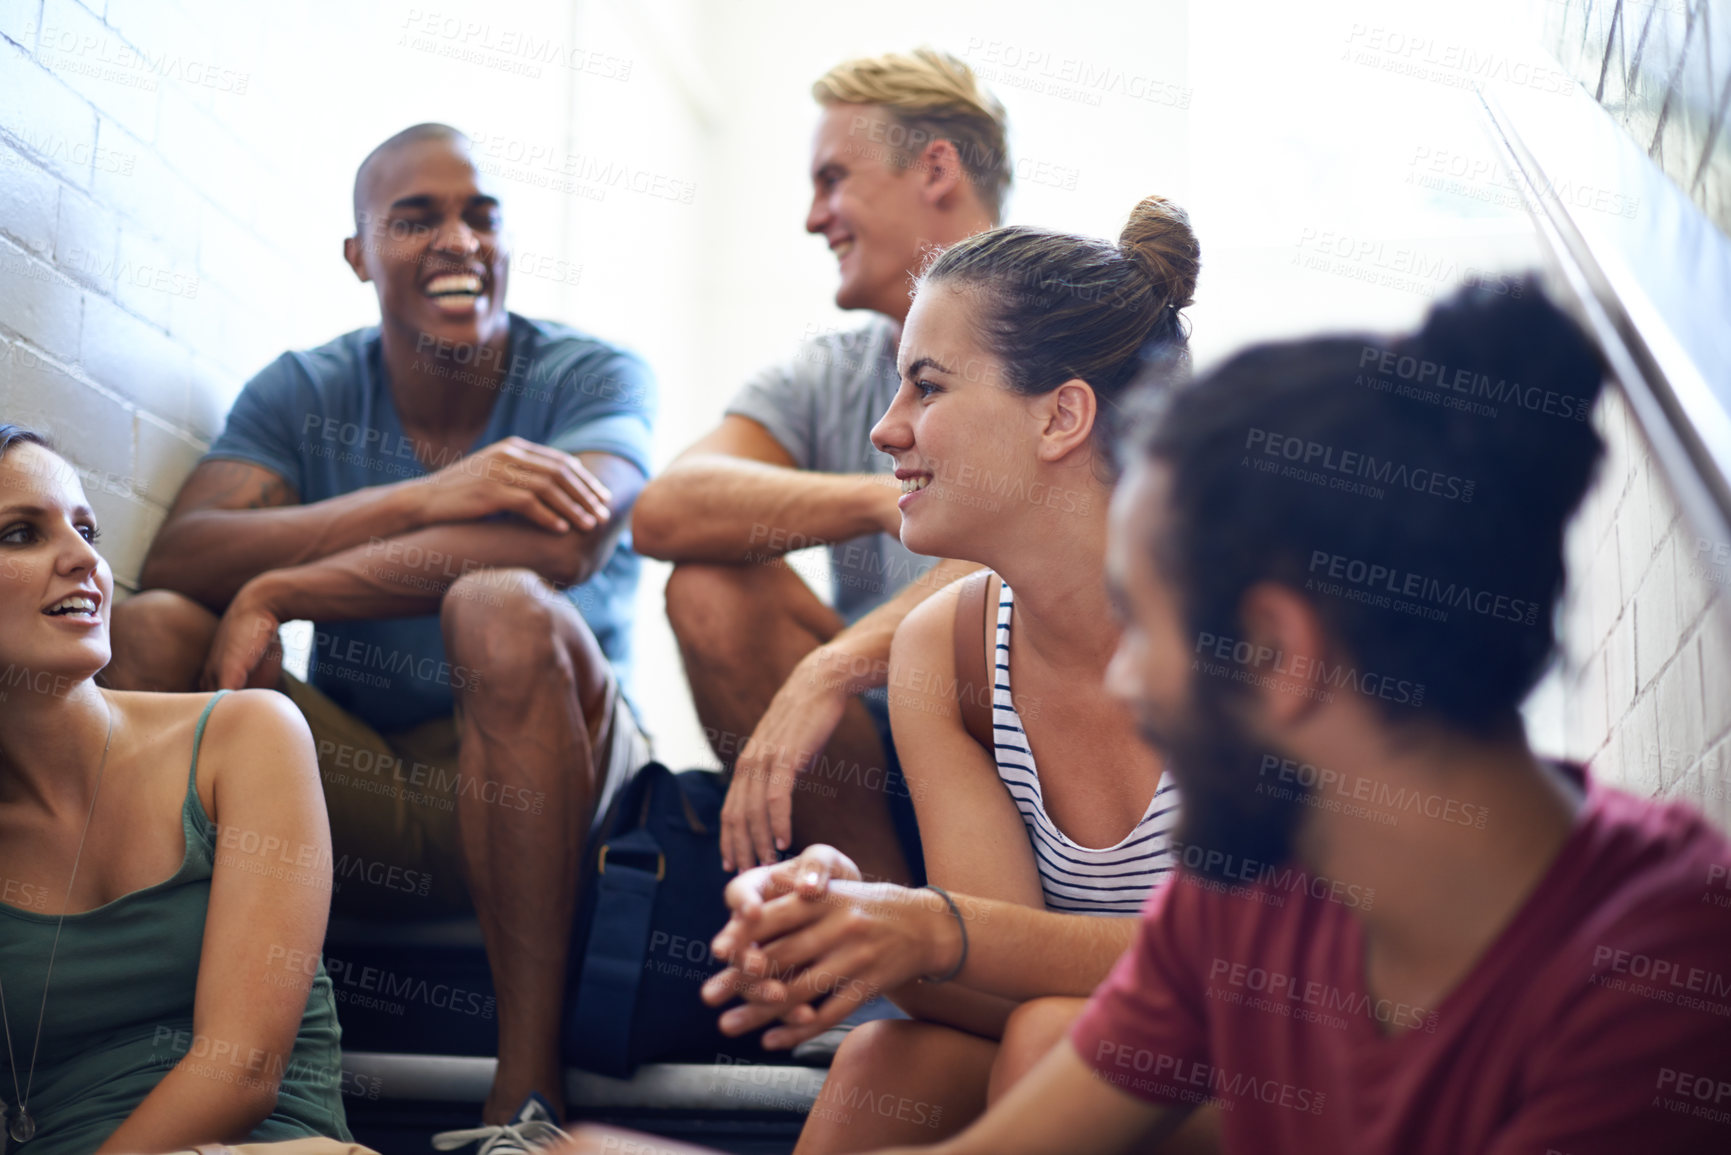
(1646, 681)
(174, 187)
(118, 335)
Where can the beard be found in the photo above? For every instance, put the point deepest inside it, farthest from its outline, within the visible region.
(1230, 828)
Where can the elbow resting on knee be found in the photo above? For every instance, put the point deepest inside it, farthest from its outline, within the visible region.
(653, 524)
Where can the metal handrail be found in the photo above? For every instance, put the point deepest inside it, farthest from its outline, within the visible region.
(1674, 367)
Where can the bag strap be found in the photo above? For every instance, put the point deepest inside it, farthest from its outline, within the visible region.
(973, 686)
(630, 865)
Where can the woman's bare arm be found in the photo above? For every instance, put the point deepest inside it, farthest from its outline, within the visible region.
(262, 935)
(974, 839)
(976, 844)
(970, 830)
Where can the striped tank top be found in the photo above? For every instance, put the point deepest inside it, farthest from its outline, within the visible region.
(1076, 879)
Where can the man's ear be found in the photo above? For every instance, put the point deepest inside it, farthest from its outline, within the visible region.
(1068, 414)
(1288, 650)
(939, 166)
(355, 257)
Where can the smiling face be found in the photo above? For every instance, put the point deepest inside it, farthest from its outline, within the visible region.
(962, 440)
(55, 589)
(870, 212)
(431, 242)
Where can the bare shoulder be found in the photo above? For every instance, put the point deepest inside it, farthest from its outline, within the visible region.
(257, 740)
(930, 627)
(248, 733)
(923, 676)
(929, 630)
(162, 722)
(263, 723)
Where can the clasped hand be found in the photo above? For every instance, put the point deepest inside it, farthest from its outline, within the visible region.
(809, 942)
(544, 486)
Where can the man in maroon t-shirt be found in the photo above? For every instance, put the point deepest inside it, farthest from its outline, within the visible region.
(1397, 931)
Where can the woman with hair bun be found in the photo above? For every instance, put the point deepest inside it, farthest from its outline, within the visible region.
(1045, 820)
(1397, 928)
(1452, 944)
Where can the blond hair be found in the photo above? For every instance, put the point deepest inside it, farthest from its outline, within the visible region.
(931, 95)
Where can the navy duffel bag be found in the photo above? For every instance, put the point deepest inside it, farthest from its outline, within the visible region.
(652, 899)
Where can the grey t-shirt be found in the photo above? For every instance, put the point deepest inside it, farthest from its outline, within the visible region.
(821, 406)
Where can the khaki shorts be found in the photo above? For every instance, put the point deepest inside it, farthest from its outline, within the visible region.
(392, 800)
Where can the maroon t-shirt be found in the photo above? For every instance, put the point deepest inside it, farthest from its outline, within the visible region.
(1598, 1022)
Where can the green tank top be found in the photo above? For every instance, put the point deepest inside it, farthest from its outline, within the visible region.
(120, 1009)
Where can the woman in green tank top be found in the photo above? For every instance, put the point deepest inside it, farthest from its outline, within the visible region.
(165, 874)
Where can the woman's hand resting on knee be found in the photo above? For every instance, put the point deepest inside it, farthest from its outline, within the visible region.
(807, 930)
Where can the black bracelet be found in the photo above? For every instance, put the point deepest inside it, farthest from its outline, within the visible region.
(960, 925)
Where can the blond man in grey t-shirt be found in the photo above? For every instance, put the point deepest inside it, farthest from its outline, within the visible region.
(909, 156)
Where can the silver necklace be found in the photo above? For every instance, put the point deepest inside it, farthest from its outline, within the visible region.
(23, 1127)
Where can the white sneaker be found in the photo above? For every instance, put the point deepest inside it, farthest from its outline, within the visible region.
(533, 1128)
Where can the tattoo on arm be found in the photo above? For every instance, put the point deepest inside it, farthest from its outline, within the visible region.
(233, 485)
(269, 492)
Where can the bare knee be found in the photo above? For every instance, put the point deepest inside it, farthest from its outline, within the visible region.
(1031, 1032)
(502, 636)
(887, 1053)
(932, 1076)
(514, 643)
(873, 1048)
(160, 640)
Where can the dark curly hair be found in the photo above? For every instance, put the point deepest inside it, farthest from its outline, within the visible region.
(1415, 491)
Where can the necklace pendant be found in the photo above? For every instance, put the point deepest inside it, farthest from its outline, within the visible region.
(23, 1127)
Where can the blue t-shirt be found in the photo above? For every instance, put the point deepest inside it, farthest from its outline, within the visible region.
(324, 421)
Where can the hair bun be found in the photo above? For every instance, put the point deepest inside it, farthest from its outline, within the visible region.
(1532, 376)
(1158, 238)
